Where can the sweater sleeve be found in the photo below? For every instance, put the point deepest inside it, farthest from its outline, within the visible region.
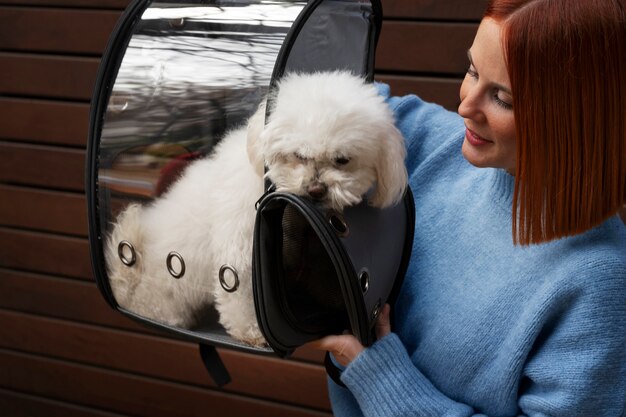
(577, 366)
(385, 382)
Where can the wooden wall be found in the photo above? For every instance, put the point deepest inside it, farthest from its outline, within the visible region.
(63, 352)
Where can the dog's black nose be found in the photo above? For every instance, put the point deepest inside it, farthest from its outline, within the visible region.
(317, 190)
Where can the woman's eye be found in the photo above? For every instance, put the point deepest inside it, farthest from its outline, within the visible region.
(505, 105)
(342, 160)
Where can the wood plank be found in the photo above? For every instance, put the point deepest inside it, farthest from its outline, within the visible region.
(79, 301)
(45, 76)
(48, 211)
(16, 404)
(42, 166)
(83, 4)
(255, 375)
(45, 253)
(437, 10)
(123, 393)
(52, 122)
(425, 47)
(55, 30)
(444, 92)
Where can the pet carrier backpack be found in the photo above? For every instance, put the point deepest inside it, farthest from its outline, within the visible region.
(174, 78)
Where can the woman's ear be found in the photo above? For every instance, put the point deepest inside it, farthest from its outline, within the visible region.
(254, 144)
(390, 169)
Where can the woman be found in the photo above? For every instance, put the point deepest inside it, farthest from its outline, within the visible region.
(515, 299)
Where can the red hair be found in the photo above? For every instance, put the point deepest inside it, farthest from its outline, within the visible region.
(566, 61)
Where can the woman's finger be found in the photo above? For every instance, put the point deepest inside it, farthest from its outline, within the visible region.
(383, 324)
(343, 347)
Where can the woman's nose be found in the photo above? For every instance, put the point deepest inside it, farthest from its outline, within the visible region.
(471, 106)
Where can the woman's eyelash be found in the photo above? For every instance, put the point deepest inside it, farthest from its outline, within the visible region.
(470, 71)
(501, 103)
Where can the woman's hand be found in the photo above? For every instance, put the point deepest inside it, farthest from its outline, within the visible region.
(345, 348)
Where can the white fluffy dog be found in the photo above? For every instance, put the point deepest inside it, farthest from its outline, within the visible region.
(330, 137)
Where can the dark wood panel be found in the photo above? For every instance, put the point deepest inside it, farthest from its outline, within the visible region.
(62, 123)
(61, 77)
(79, 301)
(44, 166)
(55, 30)
(434, 9)
(15, 404)
(41, 252)
(260, 376)
(44, 210)
(425, 47)
(437, 90)
(118, 392)
(95, 4)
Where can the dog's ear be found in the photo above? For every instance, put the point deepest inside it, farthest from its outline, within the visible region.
(254, 145)
(391, 175)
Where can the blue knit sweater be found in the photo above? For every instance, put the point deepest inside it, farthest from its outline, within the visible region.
(483, 327)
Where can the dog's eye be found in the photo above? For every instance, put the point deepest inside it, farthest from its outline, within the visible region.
(342, 160)
(301, 157)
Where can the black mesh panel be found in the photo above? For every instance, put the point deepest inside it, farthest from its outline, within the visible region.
(313, 301)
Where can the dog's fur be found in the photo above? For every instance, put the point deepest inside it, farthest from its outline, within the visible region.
(330, 136)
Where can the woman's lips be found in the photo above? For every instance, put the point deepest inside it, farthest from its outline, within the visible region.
(474, 139)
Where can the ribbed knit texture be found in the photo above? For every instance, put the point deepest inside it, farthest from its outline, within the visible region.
(483, 327)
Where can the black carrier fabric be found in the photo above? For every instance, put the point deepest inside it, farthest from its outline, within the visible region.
(174, 78)
(320, 272)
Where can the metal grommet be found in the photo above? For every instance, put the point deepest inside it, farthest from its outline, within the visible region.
(364, 280)
(338, 223)
(177, 23)
(228, 287)
(121, 249)
(376, 311)
(117, 103)
(170, 268)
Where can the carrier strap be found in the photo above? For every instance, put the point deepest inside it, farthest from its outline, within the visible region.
(333, 370)
(214, 365)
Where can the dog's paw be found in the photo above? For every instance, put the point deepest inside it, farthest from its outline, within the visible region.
(258, 342)
(250, 335)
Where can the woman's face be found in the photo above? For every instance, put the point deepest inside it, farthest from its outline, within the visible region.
(486, 103)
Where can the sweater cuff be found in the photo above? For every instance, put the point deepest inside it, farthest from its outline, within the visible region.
(386, 383)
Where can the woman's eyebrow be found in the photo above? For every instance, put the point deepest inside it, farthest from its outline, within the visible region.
(504, 89)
